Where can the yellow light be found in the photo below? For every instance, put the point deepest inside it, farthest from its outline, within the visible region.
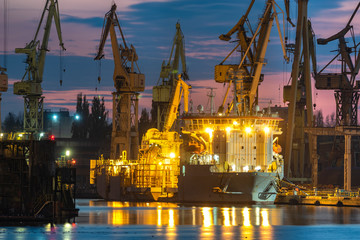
(159, 216)
(228, 129)
(246, 217)
(172, 155)
(265, 218)
(160, 163)
(235, 123)
(67, 153)
(248, 129)
(207, 216)
(266, 129)
(226, 214)
(171, 218)
(209, 131)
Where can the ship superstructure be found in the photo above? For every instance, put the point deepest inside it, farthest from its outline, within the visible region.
(229, 156)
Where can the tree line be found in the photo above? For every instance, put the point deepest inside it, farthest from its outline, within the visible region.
(329, 121)
(91, 124)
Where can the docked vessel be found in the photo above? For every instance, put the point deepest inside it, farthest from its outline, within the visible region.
(228, 156)
(216, 159)
(241, 163)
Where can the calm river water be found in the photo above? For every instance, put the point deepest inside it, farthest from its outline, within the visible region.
(124, 220)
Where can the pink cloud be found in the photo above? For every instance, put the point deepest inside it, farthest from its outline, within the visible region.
(327, 22)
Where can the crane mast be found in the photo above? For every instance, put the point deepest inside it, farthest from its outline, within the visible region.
(30, 85)
(246, 76)
(344, 83)
(128, 83)
(163, 92)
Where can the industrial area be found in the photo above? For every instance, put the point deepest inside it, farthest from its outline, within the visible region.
(235, 153)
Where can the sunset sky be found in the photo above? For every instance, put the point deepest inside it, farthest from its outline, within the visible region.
(150, 26)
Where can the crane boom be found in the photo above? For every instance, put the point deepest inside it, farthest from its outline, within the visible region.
(30, 85)
(175, 101)
(128, 83)
(163, 92)
(246, 76)
(125, 78)
(323, 41)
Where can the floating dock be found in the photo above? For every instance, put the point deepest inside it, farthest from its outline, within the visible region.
(337, 197)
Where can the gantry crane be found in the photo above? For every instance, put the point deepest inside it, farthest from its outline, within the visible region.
(346, 89)
(128, 84)
(344, 84)
(247, 76)
(299, 96)
(166, 143)
(3, 85)
(3, 76)
(168, 76)
(30, 85)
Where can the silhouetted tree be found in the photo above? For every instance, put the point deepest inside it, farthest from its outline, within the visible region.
(98, 126)
(13, 122)
(319, 119)
(80, 128)
(153, 115)
(144, 123)
(330, 120)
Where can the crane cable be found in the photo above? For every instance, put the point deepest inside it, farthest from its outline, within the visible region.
(5, 34)
(61, 67)
(99, 76)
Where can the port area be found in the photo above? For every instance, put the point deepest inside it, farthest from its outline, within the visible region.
(332, 197)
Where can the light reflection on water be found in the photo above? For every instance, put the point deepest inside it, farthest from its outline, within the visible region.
(172, 214)
(115, 220)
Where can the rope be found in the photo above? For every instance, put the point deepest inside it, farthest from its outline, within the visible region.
(5, 32)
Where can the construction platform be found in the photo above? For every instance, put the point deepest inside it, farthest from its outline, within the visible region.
(337, 197)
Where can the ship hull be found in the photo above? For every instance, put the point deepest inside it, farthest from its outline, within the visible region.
(111, 188)
(198, 184)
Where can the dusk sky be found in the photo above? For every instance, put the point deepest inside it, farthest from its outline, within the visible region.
(150, 26)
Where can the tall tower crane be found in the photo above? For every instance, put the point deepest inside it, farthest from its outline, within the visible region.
(344, 84)
(247, 76)
(128, 84)
(168, 76)
(3, 75)
(299, 96)
(3, 85)
(30, 85)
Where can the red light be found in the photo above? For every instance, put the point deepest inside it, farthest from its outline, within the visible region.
(52, 138)
(73, 161)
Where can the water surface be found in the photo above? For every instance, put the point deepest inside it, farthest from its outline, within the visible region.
(126, 220)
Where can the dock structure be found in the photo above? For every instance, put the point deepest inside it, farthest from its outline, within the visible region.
(34, 188)
(347, 132)
(337, 197)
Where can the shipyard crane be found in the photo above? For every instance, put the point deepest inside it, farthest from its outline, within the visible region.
(3, 76)
(299, 95)
(30, 85)
(128, 83)
(3, 85)
(344, 83)
(303, 114)
(166, 143)
(246, 76)
(346, 96)
(163, 91)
